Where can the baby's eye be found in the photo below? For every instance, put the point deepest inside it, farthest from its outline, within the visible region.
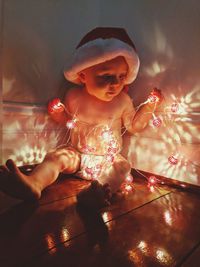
(122, 77)
(106, 77)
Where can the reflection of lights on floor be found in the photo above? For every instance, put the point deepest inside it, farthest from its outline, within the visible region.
(135, 257)
(107, 218)
(51, 245)
(64, 237)
(168, 217)
(164, 257)
(143, 246)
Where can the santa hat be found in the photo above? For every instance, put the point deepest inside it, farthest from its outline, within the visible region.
(100, 45)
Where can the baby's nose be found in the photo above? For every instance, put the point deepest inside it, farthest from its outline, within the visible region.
(115, 80)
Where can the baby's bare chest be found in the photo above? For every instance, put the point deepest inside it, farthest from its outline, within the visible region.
(93, 113)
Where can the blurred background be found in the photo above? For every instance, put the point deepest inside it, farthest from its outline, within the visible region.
(36, 38)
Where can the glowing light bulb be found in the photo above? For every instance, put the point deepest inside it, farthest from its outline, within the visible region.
(71, 124)
(174, 107)
(89, 170)
(153, 97)
(113, 143)
(56, 103)
(107, 135)
(57, 106)
(173, 160)
(157, 122)
(112, 150)
(110, 158)
(129, 178)
(152, 180)
(151, 188)
(127, 188)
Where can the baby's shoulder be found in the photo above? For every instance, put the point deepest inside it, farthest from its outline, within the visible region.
(72, 98)
(72, 94)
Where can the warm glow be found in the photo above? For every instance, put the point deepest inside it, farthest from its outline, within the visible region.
(168, 217)
(71, 124)
(164, 257)
(51, 244)
(64, 237)
(143, 246)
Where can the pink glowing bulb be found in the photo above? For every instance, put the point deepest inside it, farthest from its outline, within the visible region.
(71, 124)
(126, 188)
(152, 180)
(129, 178)
(173, 160)
(112, 150)
(153, 97)
(113, 143)
(157, 122)
(174, 107)
(110, 158)
(89, 170)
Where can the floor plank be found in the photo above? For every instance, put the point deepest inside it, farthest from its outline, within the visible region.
(193, 258)
(27, 230)
(157, 234)
(146, 229)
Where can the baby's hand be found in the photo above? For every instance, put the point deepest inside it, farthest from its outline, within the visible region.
(155, 96)
(55, 106)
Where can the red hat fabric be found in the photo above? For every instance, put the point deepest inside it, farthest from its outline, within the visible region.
(100, 45)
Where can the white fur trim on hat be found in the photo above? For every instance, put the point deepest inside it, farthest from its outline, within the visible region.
(98, 51)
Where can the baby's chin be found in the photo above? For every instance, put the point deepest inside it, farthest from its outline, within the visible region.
(107, 97)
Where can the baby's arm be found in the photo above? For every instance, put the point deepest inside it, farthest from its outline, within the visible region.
(60, 112)
(136, 121)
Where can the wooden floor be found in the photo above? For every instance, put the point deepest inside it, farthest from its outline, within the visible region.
(159, 228)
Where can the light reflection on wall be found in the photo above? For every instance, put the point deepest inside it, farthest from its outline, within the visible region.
(28, 134)
(28, 155)
(178, 135)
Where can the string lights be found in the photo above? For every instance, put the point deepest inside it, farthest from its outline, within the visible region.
(112, 146)
(173, 160)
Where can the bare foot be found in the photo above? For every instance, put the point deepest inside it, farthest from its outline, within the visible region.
(95, 197)
(16, 184)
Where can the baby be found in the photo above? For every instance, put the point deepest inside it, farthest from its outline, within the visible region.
(104, 62)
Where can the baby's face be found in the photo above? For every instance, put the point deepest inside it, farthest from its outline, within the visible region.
(105, 80)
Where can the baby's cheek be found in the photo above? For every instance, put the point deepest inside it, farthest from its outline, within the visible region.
(101, 83)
